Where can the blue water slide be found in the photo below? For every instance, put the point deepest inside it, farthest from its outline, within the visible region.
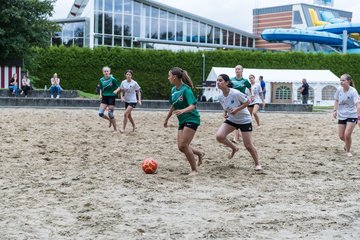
(328, 16)
(338, 28)
(300, 35)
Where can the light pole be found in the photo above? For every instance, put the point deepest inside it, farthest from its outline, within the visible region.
(203, 67)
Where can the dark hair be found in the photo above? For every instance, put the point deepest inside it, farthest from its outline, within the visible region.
(183, 75)
(129, 71)
(349, 78)
(261, 77)
(227, 80)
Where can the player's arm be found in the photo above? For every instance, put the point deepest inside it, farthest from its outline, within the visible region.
(171, 110)
(336, 106)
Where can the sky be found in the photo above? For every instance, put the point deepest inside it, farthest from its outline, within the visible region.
(234, 13)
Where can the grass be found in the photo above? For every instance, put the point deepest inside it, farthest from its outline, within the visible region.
(322, 108)
(88, 95)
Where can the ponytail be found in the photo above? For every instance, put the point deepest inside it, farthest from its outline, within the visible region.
(349, 78)
(183, 75)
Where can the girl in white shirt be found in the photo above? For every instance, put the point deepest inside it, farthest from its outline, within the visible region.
(258, 98)
(131, 95)
(347, 110)
(237, 116)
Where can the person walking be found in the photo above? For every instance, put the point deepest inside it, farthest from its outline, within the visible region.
(257, 95)
(240, 83)
(183, 103)
(347, 110)
(108, 87)
(237, 116)
(304, 91)
(131, 95)
(263, 88)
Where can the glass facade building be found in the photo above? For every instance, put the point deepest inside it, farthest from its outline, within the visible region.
(145, 24)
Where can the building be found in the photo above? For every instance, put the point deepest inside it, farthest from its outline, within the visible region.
(145, 24)
(295, 16)
(283, 85)
(8, 69)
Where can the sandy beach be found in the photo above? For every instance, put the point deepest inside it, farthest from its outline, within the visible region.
(65, 175)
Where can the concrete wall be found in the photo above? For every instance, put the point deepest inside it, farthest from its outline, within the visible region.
(146, 104)
(41, 93)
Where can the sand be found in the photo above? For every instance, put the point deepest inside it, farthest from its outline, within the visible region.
(65, 175)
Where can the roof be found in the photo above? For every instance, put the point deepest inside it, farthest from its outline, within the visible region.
(279, 75)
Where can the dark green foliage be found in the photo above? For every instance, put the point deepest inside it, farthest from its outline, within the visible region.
(81, 68)
(24, 24)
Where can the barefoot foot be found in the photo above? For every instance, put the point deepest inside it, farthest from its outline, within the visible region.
(231, 155)
(201, 157)
(122, 130)
(193, 173)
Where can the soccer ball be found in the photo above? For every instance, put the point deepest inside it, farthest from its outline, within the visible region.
(149, 165)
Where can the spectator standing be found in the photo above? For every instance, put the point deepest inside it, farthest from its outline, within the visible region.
(304, 91)
(263, 88)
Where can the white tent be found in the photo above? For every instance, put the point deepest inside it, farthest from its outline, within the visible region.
(282, 85)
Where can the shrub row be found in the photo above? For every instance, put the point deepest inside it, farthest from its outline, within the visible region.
(81, 68)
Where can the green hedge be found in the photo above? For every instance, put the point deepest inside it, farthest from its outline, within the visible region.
(81, 68)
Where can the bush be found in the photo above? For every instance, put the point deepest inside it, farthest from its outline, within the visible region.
(81, 68)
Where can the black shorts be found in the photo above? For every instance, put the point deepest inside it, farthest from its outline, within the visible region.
(133, 105)
(352, 120)
(189, 125)
(252, 105)
(108, 100)
(243, 127)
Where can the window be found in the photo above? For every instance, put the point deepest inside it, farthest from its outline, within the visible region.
(328, 92)
(283, 92)
(311, 94)
(297, 18)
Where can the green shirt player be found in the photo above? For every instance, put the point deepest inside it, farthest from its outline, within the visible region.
(240, 83)
(108, 86)
(183, 102)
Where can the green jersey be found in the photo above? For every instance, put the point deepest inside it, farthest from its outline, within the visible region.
(108, 86)
(182, 98)
(240, 84)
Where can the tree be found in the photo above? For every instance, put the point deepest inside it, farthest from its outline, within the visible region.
(24, 24)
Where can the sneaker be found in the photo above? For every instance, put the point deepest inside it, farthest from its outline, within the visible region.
(258, 168)
(57, 96)
(52, 96)
(22, 92)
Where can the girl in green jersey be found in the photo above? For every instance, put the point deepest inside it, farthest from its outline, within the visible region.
(183, 102)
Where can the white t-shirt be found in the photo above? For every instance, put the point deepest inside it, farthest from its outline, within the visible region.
(347, 103)
(256, 90)
(130, 89)
(233, 100)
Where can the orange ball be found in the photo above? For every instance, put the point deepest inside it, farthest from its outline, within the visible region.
(149, 165)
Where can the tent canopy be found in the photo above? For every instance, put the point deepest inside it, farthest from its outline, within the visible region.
(279, 75)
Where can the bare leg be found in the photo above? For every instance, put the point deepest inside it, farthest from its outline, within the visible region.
(256, 115)
(347, 137)
(251, 149)
(237, 136)
(104, 106)
(221, 136)
(112, 120)
(126, 116)
(199, 154)
(185, 137)
(132, 122)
